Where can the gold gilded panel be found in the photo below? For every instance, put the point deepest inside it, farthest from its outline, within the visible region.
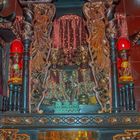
(68, 135)
(11, 134)
(128, 135)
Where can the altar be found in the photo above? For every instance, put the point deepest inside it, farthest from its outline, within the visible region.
(65, 72)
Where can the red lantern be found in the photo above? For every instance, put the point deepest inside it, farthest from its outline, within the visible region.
(123, 44)
(16, 47)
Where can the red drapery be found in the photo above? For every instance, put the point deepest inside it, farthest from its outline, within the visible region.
(69, 32)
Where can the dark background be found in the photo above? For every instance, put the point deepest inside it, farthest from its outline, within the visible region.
(132, 10)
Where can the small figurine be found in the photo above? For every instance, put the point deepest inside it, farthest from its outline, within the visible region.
(16, 52)
(123, 46)
(84, 56)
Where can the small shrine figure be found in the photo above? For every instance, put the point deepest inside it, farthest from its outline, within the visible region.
(16, 52)
(123, 46)
(84, 56)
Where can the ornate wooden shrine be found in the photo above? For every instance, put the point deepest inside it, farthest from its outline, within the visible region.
(65, 72)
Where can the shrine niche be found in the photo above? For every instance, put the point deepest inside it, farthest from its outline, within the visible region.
(70, 66)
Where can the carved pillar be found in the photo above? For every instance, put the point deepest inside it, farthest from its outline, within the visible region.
(114, 80)
(1, 88)
(127, 97)
(121, 98)
(114, 72)
(10, 96)
(132, 98)
(18, 97)
(15, 94)
(1, 78)
(27, 39)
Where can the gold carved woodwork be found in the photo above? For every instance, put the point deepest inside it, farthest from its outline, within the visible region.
(44, 56)
(128, 135)
(11, 134)
(95, 16)
(41, 48)
(43, 15)
(98, 49)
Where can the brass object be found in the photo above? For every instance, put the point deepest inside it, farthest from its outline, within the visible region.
(92, 100)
